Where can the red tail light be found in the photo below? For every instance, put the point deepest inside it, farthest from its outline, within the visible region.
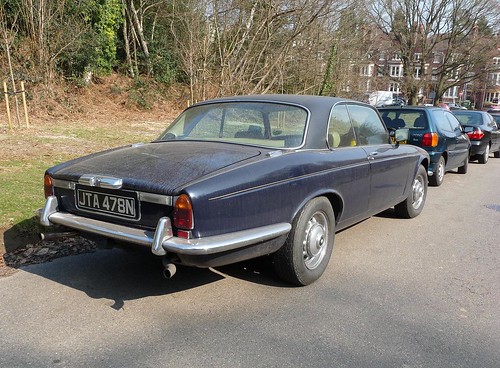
(430, 140)
(183, 213)
(48, 185)
(476, 134)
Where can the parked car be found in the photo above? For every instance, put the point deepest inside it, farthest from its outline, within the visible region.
(437, 131)
(483, 133)
(496, 117)
(455, 106)
(242, 177)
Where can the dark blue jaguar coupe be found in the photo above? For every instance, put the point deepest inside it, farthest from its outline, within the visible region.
(242, 177)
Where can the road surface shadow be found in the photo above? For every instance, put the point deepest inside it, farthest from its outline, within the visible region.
(122, 275)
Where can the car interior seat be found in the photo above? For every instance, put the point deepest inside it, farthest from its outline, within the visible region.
(333, 139)
(254, 132)
(398, 123)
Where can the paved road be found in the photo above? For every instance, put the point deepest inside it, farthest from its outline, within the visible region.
(397, 293)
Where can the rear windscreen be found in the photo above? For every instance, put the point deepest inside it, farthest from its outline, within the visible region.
(404, 119)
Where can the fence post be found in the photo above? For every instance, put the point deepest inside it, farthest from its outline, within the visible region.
(23, 94)
(6, 93)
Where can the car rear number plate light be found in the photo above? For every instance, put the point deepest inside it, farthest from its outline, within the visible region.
(123, 205)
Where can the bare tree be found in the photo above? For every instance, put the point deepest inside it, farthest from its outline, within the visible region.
(420, 27)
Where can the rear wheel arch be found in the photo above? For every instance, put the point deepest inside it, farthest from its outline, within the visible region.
(334, 198)
(445, 156)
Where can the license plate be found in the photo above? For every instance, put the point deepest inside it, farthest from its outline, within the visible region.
(393, 139)
(124, 205)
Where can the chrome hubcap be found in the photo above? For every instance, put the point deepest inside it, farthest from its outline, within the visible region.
(418, 192)
(315, 241)
(440, 170)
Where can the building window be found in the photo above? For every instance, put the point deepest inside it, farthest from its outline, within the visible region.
(438, 58)
(451, 92)
(396, 56)
(434, 74)
(417, 56)
(367, 70)
(396, 71)
(394, 87)
(418, 72)
(496, 60)
(495, 78)
(382, 55)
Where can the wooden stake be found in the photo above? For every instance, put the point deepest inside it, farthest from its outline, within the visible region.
(6, 93)
(23, 94)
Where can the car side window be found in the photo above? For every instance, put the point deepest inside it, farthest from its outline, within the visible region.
(340, 131)
(452, 120)
(368, 127)
(442, 122)
(491, 122)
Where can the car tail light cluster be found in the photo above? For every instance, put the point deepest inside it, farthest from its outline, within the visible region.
(183, 214)
(430, 140)
(476, 134)
(48, 185)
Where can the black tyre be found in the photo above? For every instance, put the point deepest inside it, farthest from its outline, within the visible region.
(463, 169)
(308, 248)
(437, 179)
(485, 156)
(414, 203)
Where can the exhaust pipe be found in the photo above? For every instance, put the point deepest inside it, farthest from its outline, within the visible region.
(55, 236)
(169, 271)
(169, 268)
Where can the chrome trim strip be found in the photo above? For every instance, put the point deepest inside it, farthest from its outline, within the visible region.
(64, 184)
(162, 237)
(106, 182)
(156, 198)
(143, 196)
(225, 242)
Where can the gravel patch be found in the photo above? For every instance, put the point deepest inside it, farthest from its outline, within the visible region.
(43, 251)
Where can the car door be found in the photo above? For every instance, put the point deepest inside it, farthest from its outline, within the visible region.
(495, 134)
(351, 178)
(448, 137)
(389, 164)
(460, 152)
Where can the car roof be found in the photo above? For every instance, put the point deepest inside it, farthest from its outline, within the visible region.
(465, 112)
(313, 103)
(409, 107)
(319, 108)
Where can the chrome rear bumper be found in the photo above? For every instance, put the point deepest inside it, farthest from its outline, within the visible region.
(161, 240)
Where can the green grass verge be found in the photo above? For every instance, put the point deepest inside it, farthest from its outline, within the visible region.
(21, 191)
